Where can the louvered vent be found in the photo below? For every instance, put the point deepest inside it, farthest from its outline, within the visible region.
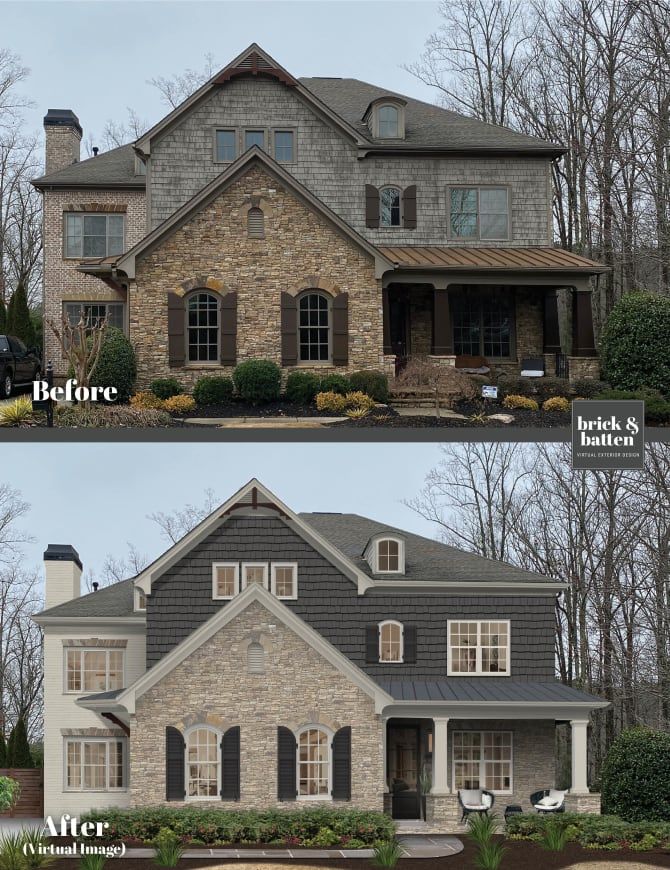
(255, 658)
(254, 60)
(255, 223)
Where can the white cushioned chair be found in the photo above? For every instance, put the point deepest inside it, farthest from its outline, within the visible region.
(475, 800)
(548, 800)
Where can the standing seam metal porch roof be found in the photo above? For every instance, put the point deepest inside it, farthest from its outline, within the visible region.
(490, 259)
(489, 689)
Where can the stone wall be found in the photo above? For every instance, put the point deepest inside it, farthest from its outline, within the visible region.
(583, 803)
(298, 687)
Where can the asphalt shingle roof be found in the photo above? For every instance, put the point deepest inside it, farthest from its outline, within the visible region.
(114, 600)
(115, 167)
(484, 689)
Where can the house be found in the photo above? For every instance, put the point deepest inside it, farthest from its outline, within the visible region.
(325, 223)
(274, 659)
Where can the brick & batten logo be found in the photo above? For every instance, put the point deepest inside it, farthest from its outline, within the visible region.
(607, 435)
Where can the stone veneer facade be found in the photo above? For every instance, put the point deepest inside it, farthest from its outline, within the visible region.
(298, 688)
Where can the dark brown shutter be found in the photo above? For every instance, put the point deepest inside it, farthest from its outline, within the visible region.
(409, 207)
(286, 761)
(341, 329)
(230, 765)
(342, 765)
(409, 644)
(371, 206)
(174, 765)
(289, 330)
(229, 329)
(176, 325)
(371, 644)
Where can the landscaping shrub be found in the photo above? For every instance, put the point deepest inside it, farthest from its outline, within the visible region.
(481, 829)
(301, 387)
(634, 346)
(555, 836)
(145, 399)
(335, 383)
(520, 402)
(549, 387)
(387, 853)
(92, 862)
(165, 388)
(588, 388)
(168, 848)
(179, 404)
(513, 385)
(116, 365)
(213, 390)
(374, 384)
(447, 384)
(556, 403)
(656, 408)
(331, 401)
(17, 413)
(10, 789)
(100, 417)
(257, 381)
(635, 776)
(32, 842)
(591, 831)
(11, 852)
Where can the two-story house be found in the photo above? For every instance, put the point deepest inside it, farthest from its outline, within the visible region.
(317, 222)
(275, 659)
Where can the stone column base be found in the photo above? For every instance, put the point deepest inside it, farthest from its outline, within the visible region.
(388, 361)
(388, 801)
(583, 803)
(443, 812)
(581, 367)
(447, 360)
(549, 364)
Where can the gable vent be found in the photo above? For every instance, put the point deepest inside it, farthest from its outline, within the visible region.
(254, 61)
(255, 224)
(255, 658)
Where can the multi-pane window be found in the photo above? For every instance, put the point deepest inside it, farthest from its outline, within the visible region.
(387, 121)
(313, 328)
(284, 146)
(203, 328)
(225, 146)
(390, 642)
(225, 579)
(388, 555)
(482, 323)
(254, 137)
(254, 572)
(285, 580)
(95, 765)
(202, 763)
(95, 312)
(313, 764)
(477, 647)
(389, 207)
(479, 213)
(93, 235)
(483, 760)
(93, 670)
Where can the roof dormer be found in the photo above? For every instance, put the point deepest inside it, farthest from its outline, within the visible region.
(385, 118)
(385, 554)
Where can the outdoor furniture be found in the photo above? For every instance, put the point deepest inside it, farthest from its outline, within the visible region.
(548, 800)
(475, 800)
(513, 810)
(472, 365)
(533, 367)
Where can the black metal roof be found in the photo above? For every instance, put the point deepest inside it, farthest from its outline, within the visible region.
(483, 689)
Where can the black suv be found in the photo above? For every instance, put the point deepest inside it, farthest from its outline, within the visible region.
(18, 365)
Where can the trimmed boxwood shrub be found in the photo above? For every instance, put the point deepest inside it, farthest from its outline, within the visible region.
(373, 384)
(634, 345)
(636, 774)
(166, 388)
(335, 383)
(257, 381)
(587, 388)
(591, 831)
(116, 365)
(213, 390)
(10, 789)
(656, 408)
(301, 387)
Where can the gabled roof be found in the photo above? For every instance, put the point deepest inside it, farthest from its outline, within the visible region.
(115, 600)
(110, 169)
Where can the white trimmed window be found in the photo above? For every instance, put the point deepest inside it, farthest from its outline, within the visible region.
(314, 762)
(254, 572)
(225, 580)
(202, 763)
(284, 580)
(95, 765)
(478, 647)
(483, 759)
(391, 641)
(140, 600)
(93, 670)
(390, 556)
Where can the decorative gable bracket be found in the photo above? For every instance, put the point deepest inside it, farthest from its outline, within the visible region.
(255, 64)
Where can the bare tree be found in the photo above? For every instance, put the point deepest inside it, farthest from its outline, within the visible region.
(81, 344)
(178, 87)
(182, 520)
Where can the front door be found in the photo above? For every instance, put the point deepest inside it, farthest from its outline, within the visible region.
(403, 770)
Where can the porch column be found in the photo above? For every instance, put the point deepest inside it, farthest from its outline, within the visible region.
(443, 340)
(579, 756)
(552, 336)
(385, 762)
(440, 757)
(583, 341)
(386, 320)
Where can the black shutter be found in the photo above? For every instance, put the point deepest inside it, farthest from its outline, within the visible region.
(176, 324)
(174, 765)
(371, 206)
(371, 644)
(341, 329)
(229, 329)
(342, 765)
(286, 761)
(409, 645)
(289, 330)
(230, 765)
(409, 207)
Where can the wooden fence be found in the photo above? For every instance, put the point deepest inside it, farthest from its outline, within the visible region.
(31, 799)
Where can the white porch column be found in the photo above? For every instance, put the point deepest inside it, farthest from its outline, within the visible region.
(440, 757)
(579, 756)
(385, 754)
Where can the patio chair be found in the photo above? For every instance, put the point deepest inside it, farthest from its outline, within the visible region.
(533, 367)
(548, 800)
(475, 800)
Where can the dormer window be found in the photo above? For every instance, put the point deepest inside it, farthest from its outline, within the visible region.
(385, 118)
(388, 555)
(140, 600)
(388, 122)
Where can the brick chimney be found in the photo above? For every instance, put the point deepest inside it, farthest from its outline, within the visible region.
(62, 573)
(62, 132)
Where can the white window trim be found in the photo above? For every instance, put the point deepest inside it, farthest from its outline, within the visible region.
(245, 565)
(311, 797)
(84, 649)
(236, 566)
(478, 669)
(402, 642)
(219, 760)
(273, 580)
(138, 595)
(375, 554)
(510, 790)
(124, 750)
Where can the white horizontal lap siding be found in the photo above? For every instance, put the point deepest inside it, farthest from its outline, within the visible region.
(61, 711)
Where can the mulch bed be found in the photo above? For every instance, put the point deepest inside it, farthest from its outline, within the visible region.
(390, 418)
(243, 409)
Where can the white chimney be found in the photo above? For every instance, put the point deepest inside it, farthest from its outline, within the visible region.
(62, 572)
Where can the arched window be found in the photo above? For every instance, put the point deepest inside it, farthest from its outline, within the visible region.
(391, 641)
(389, 207)
(387, 122)
(255, 658)
(203, 327)
(313, 327)
(255, 223)
(202, 763)
(314, 764)
(388, 555)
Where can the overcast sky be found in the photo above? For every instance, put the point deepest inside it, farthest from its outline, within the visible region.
(97, 496)
(96, 57)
